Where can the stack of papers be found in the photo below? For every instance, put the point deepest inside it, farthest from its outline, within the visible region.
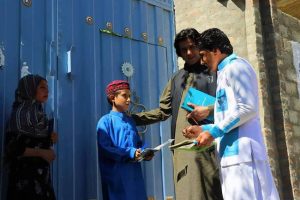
(149, 151)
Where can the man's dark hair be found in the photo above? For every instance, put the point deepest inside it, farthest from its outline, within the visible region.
(189, 33)
(215, 39)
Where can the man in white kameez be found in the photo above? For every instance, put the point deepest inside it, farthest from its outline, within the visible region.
(244, 169)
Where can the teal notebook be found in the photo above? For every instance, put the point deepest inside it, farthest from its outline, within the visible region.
(199, 98)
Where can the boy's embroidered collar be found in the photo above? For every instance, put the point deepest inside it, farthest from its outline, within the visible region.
(119, 114)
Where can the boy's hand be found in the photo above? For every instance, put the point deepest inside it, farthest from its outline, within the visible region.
(137, 155)
(149, 156)
(54, 137)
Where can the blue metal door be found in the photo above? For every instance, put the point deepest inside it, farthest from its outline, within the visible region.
(151, 72)
(93, 46)
(9, 59)
(26, 31)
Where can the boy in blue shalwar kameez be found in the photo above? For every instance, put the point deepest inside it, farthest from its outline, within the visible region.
(119, 148)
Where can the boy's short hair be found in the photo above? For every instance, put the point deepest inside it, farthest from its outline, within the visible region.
(112, 94)
(113, 87)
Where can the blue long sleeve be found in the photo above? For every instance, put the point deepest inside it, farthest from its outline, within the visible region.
(118, 140)
(117, 137)
(110, 150)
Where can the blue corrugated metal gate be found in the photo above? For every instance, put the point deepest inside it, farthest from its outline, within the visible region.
(80, 46)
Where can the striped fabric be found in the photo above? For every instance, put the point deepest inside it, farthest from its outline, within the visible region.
(28, 115)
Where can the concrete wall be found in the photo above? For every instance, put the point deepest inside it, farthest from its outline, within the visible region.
(202, 15)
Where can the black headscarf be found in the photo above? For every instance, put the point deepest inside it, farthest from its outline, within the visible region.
(28, 116)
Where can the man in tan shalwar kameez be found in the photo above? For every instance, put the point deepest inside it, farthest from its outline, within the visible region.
(196, 175)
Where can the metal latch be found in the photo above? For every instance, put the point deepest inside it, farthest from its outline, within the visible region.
(2, 58)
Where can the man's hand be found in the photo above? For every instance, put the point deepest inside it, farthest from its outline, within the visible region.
(199, 113)
(204, 139)
(191, 131)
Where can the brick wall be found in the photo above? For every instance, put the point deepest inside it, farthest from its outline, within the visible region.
(262, 34)
(289, 30)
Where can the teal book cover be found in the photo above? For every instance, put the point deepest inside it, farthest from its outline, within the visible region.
(199, 98)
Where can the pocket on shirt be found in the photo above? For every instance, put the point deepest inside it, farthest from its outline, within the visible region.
(221, 101)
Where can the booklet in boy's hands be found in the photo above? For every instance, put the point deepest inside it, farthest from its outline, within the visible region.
(190, 145)
(149, 151)
(199, 98)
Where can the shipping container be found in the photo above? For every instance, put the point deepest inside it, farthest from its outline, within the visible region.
(80, 46)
